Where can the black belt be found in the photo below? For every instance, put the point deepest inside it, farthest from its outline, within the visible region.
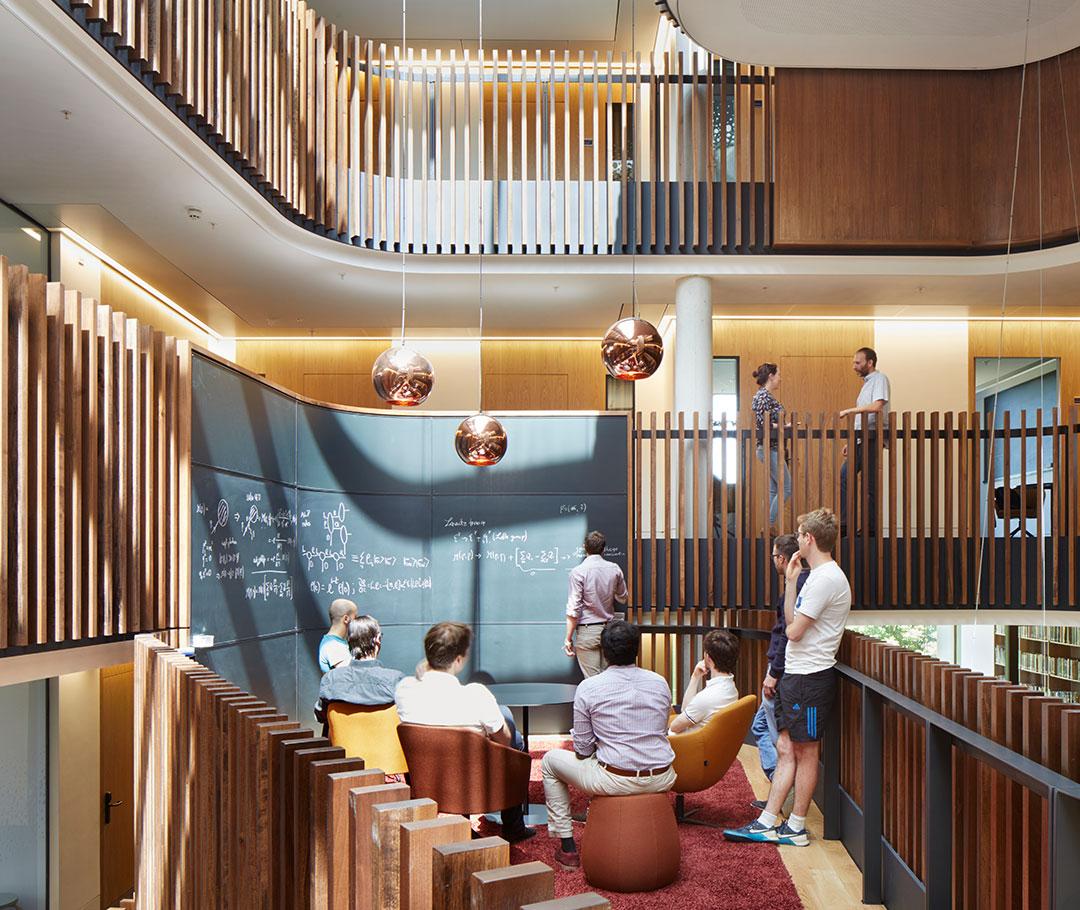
(585, 625)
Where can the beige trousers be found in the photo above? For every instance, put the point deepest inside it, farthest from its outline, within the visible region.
(561, 767)
(587, 648)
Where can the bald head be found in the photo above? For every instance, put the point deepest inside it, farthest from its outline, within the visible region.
(342, 612)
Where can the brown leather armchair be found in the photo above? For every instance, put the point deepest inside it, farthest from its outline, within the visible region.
(462, 770)
(704, 754)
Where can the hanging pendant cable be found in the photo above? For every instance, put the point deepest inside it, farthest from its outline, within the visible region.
(401, 170)
(988, 476)
(480, 169)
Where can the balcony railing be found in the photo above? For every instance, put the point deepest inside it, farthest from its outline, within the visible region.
(966, 516)
(360, 142)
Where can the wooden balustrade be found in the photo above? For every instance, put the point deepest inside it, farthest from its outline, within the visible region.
(95, 429)
(388, 150)
(941, 536)
(239, 807)
(975, 779)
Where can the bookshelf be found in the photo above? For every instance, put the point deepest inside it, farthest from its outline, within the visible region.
(1046, 658)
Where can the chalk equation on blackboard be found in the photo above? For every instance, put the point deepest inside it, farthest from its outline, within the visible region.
(250, 543)
(343, 587)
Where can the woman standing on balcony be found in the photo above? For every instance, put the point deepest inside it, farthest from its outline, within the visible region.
(767, 408)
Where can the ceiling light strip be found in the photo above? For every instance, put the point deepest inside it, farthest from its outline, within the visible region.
(88, 247)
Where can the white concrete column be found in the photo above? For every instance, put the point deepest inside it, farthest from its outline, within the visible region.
(693, 345)
(693, 372)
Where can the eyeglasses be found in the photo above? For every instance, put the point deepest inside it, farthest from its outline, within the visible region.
(778, 556)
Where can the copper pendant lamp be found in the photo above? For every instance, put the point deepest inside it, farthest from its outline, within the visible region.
(401, 376)
(632, 348)
(480, 440)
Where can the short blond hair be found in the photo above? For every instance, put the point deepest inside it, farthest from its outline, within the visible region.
(821, 524)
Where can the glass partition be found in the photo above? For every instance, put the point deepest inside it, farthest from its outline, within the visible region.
(22, 241)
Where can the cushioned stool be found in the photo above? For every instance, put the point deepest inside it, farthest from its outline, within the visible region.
(631, 843)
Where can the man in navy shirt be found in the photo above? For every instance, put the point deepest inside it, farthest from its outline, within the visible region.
(764, 727)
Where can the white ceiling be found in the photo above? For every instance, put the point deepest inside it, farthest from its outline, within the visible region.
(122, 170)
(900, 34)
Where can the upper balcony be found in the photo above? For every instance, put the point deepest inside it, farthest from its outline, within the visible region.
(666, 151)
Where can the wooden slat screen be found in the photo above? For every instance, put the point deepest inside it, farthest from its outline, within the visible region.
(237, 806)
(941, 538)
(313, 117)
(95, 430)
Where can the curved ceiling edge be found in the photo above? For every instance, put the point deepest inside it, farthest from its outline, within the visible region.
(849, 34)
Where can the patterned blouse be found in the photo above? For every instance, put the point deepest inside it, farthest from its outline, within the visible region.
(765, 405)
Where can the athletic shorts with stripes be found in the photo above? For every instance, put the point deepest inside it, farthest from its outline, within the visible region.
(804, 703)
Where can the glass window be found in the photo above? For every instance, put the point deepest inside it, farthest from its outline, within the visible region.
(23, 241)
(725, 409)
(24, 761)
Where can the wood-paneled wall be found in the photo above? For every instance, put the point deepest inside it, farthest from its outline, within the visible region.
(525, 375)
(924, 159)
(336, 130)
(95, 413)
(815, 364)
(239, 807)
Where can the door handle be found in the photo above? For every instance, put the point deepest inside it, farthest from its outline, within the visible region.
(109, 805)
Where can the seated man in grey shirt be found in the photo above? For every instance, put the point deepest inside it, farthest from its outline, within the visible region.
(363, 680)
(620, 737)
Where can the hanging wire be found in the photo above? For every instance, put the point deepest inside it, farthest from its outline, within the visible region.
(401, 170)
(1001, 323)
(480, 151)
(1042, 378)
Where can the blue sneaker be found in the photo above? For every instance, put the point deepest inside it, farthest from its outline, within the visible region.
(755, 831)
(789, 838)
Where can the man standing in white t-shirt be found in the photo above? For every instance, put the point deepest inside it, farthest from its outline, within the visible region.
(804, 696)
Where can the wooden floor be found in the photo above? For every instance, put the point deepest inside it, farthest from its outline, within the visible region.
(824, 875)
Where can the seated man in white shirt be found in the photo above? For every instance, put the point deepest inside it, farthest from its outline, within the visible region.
(716, 670)
(438, 699)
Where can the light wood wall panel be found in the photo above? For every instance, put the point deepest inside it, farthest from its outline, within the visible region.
(95, 429)
(815, 364)
(552, 374)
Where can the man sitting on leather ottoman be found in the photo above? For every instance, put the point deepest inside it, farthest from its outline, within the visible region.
(620, 737)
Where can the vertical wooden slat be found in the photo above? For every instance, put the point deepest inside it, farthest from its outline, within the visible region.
(369, 144)
(18, 479)
(963, 485)
(6, 291)
(668, 465)
(1040, 541)
(73, 465)
(595, 185)
(57, 381)
(36, 455)
(122, 477)
(452, 183)
(696, 518)
(894, 520)
(652, 515)
(639, 505)
(935, 505)
(108, 437)
(949, 489)
(710, 513)
(920, 499)
(382, 169)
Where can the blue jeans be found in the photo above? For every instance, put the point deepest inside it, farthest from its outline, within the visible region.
(766, 734)
(516, 739)
(775, 464)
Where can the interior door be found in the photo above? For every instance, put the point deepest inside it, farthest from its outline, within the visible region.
(117, 783)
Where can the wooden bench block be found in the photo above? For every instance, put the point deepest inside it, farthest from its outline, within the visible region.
(452, 866)
(386, 821)
(317, 876)
(1070, 743)
(331, 829)
(298, 862)
(282, 760)
(587, 901)
(510, 887)
(417, 841)
(361, 801)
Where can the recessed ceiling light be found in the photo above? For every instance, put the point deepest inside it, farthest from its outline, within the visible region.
(30, 232)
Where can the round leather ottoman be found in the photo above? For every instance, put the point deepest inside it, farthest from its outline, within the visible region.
(631, 843)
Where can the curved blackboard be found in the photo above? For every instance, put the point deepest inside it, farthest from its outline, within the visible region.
(296, 504)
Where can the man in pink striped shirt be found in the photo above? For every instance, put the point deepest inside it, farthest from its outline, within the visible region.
(595, 585)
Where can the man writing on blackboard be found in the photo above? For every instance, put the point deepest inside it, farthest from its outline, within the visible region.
(595, 586)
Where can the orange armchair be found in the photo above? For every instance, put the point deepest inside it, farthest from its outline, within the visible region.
(368, 732)
(462, 770)
(704, 754)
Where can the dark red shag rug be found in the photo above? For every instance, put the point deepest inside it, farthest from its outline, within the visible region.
(715, 873)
